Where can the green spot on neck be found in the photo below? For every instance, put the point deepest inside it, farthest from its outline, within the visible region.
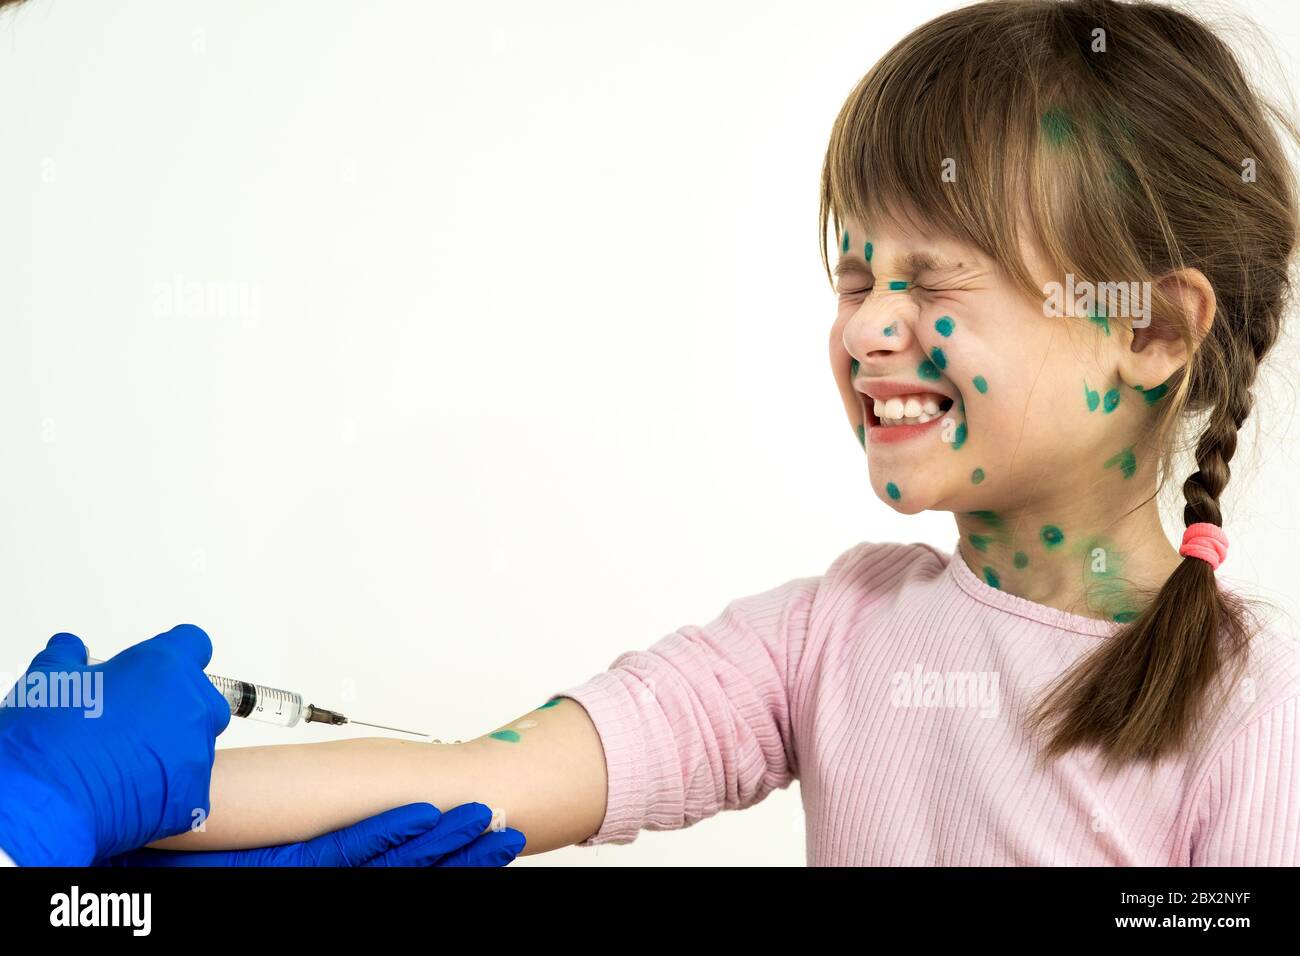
(938, 358)
(944, 326)
(927, 370)
(1052, 536)
(1021, 559)
(991, 518)
(977, 476)
(980, 541)
(892, 490)
(1091, 397)
(1152, 395)
(1110, 402)
(1126, 461)
(1100, 320)
(981, 385)
(991, 578)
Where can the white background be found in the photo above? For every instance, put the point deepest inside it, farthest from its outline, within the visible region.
(526, 363)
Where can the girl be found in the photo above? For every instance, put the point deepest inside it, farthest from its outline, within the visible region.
(1063, 232)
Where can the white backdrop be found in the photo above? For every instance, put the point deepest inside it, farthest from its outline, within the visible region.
(428, 355)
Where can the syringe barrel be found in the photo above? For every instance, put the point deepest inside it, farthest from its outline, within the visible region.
(259, 702)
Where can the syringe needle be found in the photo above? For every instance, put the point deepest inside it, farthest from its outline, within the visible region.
(397, 730)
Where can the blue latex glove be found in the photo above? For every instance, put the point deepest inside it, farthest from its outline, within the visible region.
(75, 787)
(418, 834)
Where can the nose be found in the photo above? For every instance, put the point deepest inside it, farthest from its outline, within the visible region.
(881, 327)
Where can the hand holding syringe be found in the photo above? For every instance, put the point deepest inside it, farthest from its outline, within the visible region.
(284, 708)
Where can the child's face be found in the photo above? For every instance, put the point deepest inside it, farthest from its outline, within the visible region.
(1025, 409)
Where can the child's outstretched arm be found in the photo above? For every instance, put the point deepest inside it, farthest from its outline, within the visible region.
(548, 777)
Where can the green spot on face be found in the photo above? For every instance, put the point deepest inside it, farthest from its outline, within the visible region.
(1057, 126)
(1052, 536)
(1021, 559)
(977, 476)
(867, 251)
(897, 284)
(889, 329)
(959, 437)
(991, 518)
(944, 326)
(1126, 460)
(508, 735)
(844, 243)
(980, 541)
(892, 490)
(938, 358)
(1152, 395)
(1098, 318)
(1091, 397)
(991, 577)
(853, 368)
(927, 370)
(981, 386)
(550, 703)
(1110, 401)
(1125, 616)
(862, 435)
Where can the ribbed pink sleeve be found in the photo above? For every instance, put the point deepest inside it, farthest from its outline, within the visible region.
(700, 721)
(1250, 799)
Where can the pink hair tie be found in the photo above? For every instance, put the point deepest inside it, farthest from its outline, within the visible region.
(1205, 541)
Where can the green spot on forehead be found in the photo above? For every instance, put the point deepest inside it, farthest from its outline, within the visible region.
(892, 490)
(991, 578)
(927, 370)
(1058, 127)
(977, 476)
(844, 243)
(1052, 535)
(1111, 401)
(1021, 559)
(897, 284)
(944, 326)
(1126, 461)
(867, 250)
(981, 385)
(938, 358)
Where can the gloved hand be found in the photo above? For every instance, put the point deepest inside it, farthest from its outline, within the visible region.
(418, 834)
(76, 785)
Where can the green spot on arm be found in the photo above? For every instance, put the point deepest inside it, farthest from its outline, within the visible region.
(551, 703)
(511, 736)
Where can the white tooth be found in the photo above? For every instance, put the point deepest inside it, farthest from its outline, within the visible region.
(880, 408)
(930, 405)
(912, 408)
(894, 408)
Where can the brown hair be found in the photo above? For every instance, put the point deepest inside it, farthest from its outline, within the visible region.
(1126, 161)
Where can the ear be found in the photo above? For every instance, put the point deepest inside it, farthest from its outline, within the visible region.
(1158, 350)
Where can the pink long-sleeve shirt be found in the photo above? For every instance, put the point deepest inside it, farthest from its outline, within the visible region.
(894, 688)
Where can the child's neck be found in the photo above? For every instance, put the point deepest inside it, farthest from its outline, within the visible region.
(1089, 557)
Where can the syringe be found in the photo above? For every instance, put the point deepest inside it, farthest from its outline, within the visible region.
(284, 708)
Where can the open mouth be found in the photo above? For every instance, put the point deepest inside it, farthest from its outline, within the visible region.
(900, 410)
